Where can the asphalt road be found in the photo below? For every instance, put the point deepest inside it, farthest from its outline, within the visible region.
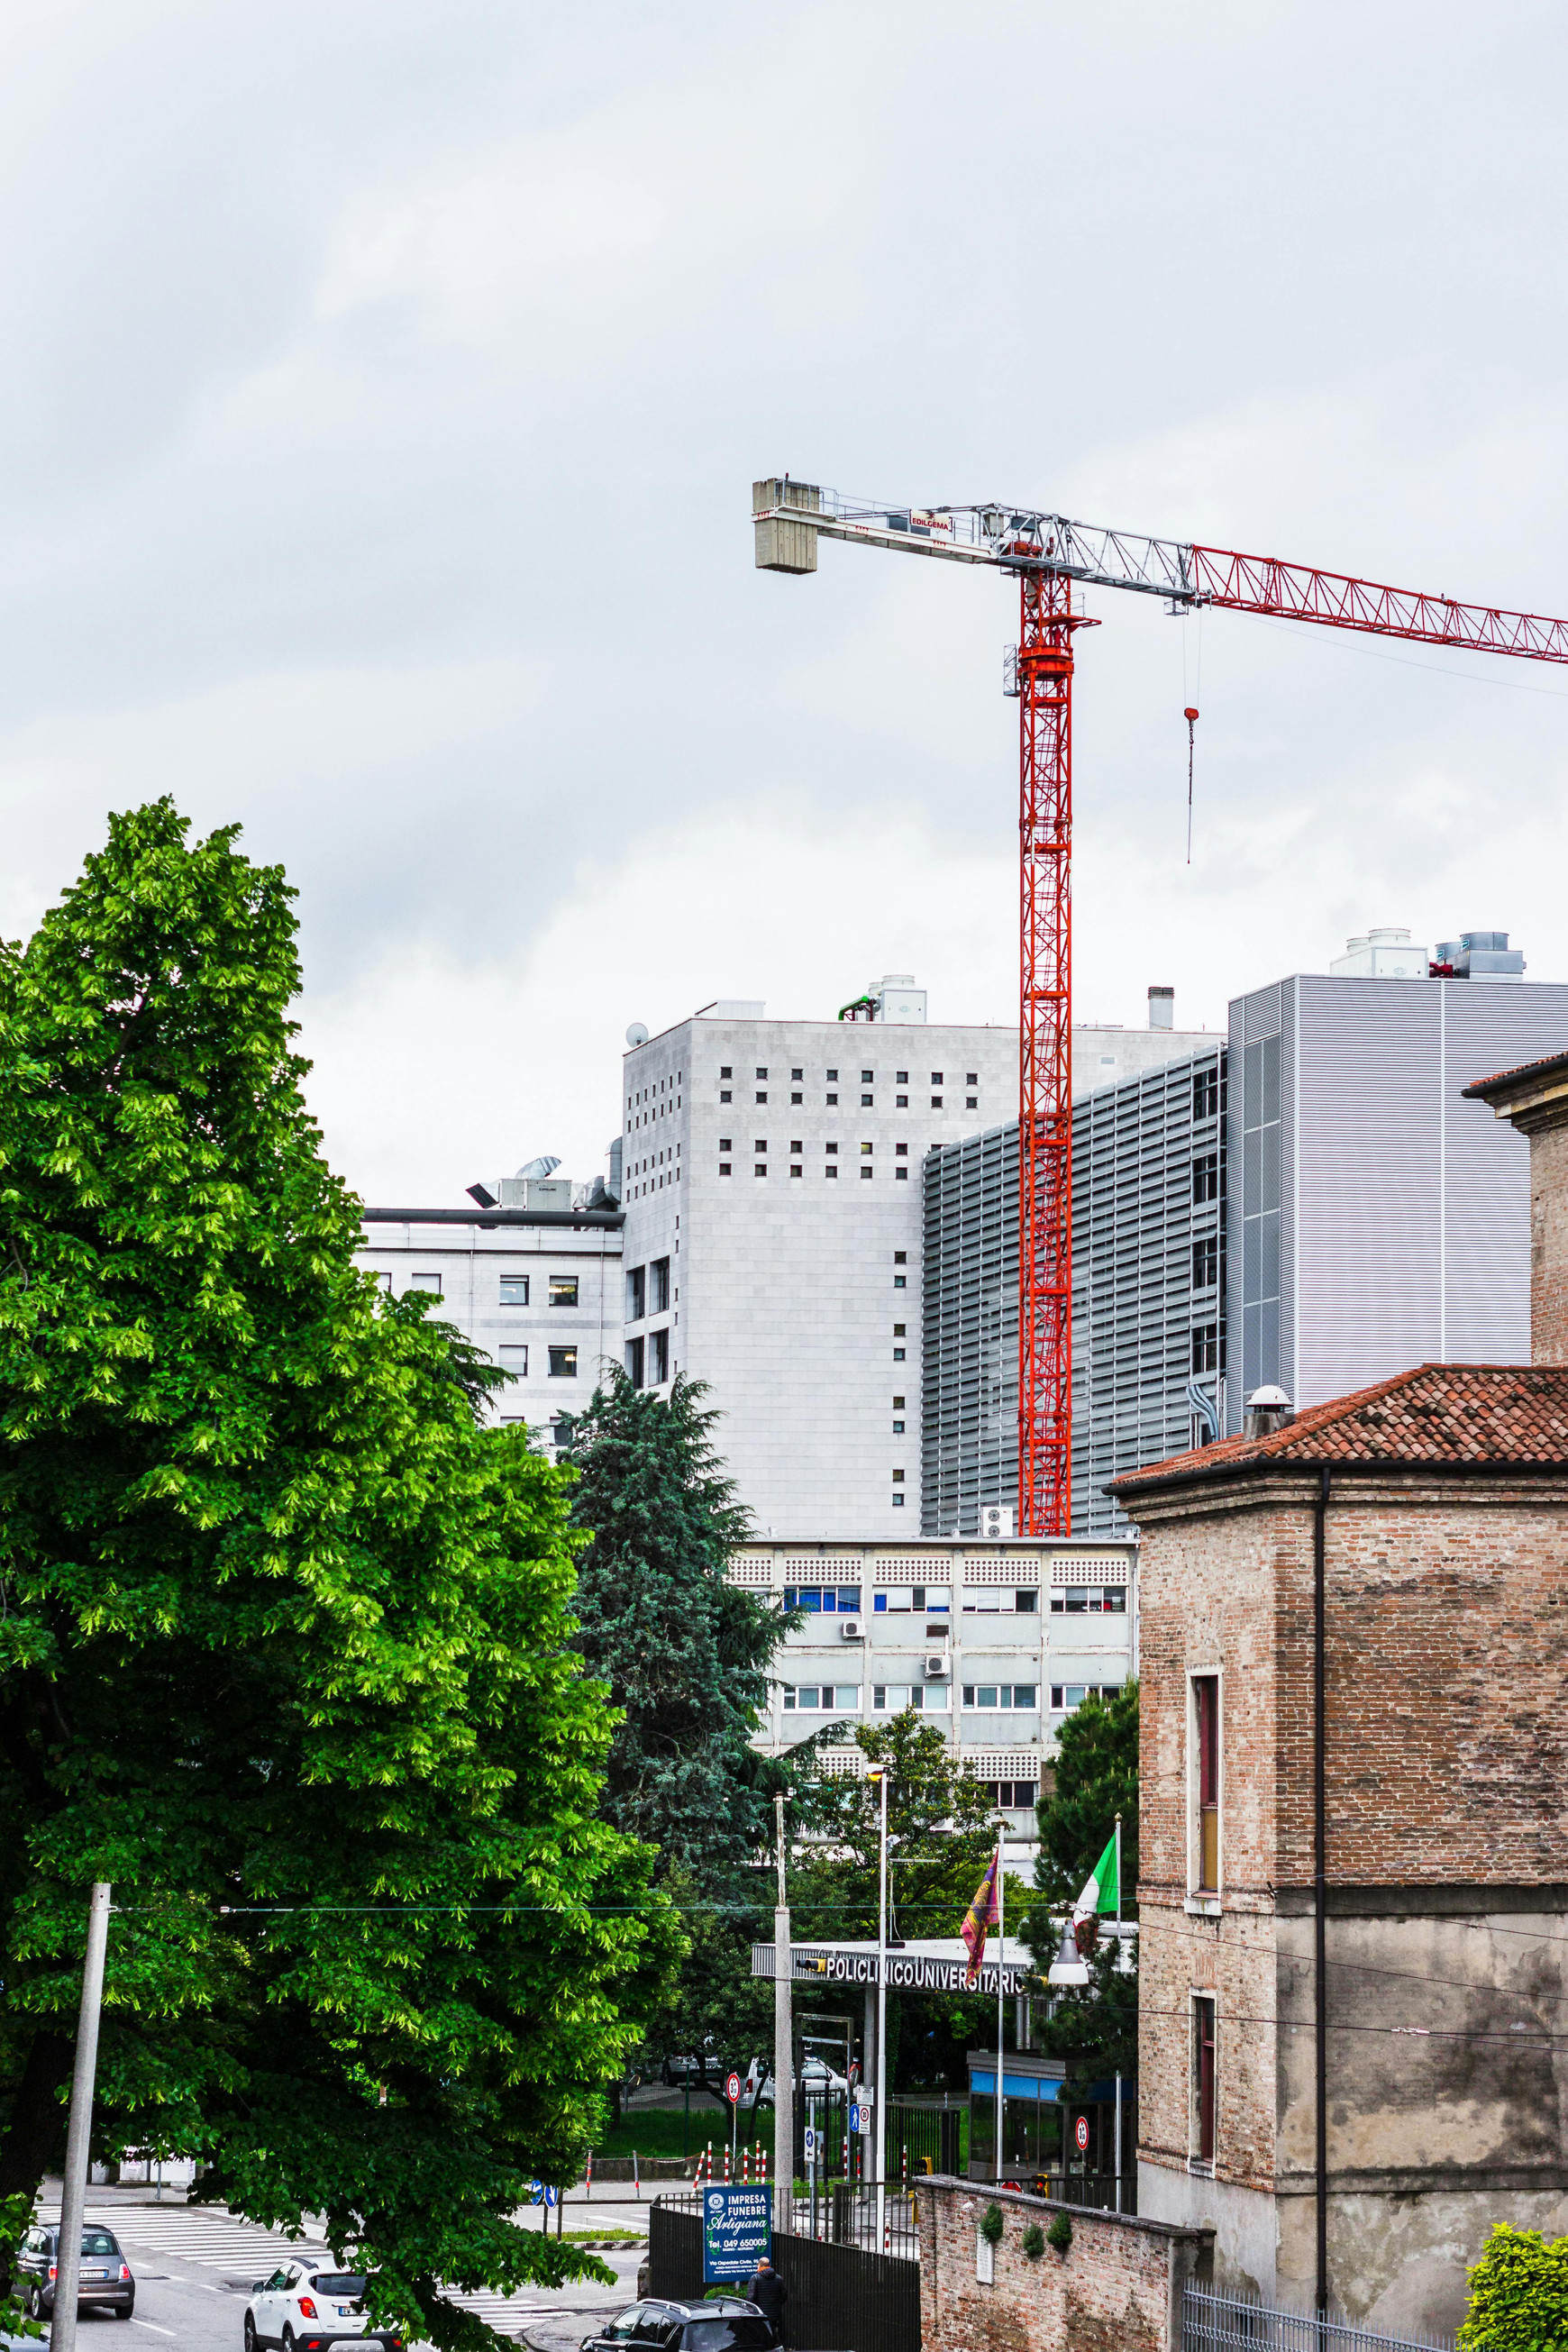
(194, 2270)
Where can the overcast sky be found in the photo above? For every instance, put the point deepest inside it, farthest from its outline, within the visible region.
(381, 390)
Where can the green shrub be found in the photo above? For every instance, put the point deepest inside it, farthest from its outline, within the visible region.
(1059, 2234)
(1034, 2241)
(991, 2228)
(1519, 2295)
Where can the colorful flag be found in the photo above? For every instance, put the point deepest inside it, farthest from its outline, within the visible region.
(981, 1914)
(1102, 1887)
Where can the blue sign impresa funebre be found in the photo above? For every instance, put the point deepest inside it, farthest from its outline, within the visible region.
(737, 2230)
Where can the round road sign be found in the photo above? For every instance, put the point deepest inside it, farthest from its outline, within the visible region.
(733, 2088)
(1080, 2132)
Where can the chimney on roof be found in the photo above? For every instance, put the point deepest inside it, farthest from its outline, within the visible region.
(1534, 1099)
(1267, 1410)
(1162, 1008)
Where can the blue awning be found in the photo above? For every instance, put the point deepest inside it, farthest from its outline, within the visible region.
(1015, 2086)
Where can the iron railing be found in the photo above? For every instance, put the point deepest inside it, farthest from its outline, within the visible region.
(843, 2213)
(1213, 2322)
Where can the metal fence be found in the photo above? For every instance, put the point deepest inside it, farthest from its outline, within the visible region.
(837, 2293)
(1232, 2322)
(842, 2214)
(1099, 2191)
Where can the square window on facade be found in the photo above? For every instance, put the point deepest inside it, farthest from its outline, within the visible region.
(900, 1078)
(761, 1096)
(900, 1331)
(898, 1429)
(831, 1099)
(563, 1290)
(897, 1501)
(797, 1169)
(900, 1282)
(901, 1102)
(972, 1078)
(761, 1169)
(797, 1147)
(514, 1290)
(867, 1150)
(430, 1282)
(830, 1170)
(868, 1173)
(936, 1077)
(725, 1094)
(866, 1102)
(901, 1175)
(795, 1098)
(382, 1277)
(831, 1078)
(797, 1073)
(972, 1102)
(897, 1405)
(762, 1074)
(936, 1102)
(898, 1355)
(900, 1257)
(901, 1150)
(725, 1071)
(724, 1167)
(563, 1363)
(759, 1143)
(725, 1144)
(515, 1362)
(868, 1078)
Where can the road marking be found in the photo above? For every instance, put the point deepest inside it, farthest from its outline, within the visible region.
(147, 2322)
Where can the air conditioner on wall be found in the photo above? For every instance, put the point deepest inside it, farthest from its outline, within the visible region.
(850, 1629)
(937, 1668)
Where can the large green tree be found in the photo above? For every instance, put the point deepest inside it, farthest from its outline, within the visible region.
(1095, 1778)
(285, 1636)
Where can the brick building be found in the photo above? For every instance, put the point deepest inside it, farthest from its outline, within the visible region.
(1358, 2022)
(1534, 1099)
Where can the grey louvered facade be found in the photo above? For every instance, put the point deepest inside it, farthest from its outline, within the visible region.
(1147, 1302)
(1368, 1220)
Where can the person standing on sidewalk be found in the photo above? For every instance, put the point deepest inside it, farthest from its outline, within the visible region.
(768, 2291)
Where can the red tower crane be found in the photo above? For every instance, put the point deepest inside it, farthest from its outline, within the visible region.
(1047, 553)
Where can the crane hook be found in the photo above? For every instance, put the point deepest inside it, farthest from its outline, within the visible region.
(1190, 715)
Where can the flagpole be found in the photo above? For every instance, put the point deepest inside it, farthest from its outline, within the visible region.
(1001, 1949)
(1117, 1875)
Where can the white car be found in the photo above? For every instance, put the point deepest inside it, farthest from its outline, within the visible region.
(303, 2308)
(818, 2080)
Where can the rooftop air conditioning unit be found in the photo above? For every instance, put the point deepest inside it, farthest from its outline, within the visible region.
(996, 1523)
(937, 1668)
(850, 1629)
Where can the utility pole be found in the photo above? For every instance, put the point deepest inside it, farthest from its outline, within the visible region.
(783, 2052)
(78, 2133)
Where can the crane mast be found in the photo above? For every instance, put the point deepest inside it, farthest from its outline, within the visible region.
(1050, 554)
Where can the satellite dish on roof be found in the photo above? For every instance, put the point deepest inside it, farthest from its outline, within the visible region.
(637, 1035)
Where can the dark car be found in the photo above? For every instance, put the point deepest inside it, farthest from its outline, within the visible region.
(722, 2324)
(104, 2282)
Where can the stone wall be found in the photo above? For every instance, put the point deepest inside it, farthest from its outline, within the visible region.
(1116, 2288)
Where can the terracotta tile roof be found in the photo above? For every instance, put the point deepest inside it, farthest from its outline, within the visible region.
(1437, 1413)
(1477, 1091)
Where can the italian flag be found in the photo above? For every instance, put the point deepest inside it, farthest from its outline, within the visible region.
(1102, 1888)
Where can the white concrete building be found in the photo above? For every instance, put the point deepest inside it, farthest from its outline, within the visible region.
(995, 1643)
(538, 1288)
(771, 1190)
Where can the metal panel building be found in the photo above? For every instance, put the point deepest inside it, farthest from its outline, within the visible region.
(1377, 1220)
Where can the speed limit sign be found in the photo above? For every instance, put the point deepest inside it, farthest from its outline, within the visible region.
(1081, 2133)
(733, 2088)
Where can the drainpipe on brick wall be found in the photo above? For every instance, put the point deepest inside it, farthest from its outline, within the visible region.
(1319, 1888)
